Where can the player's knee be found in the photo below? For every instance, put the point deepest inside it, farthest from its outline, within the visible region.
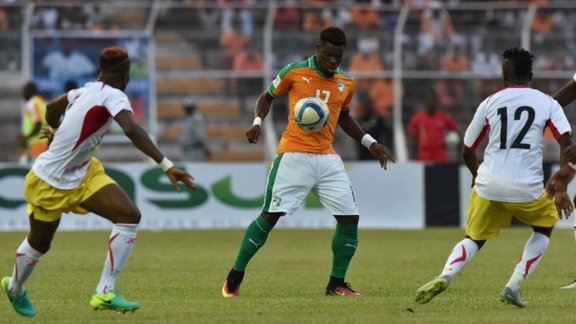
(543, 230)
(129, 215)
(40, 245)
(479, 243)
(348, 220)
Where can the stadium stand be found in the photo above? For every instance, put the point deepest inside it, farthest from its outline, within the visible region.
(194, 55)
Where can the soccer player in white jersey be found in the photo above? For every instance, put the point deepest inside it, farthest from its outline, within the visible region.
(68, 178)
(509, 182)
(559, 181)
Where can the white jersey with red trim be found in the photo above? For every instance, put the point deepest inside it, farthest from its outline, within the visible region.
(90, 111)
(515, 119)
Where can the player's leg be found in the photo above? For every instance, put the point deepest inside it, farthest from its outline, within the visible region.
(33, 247)
(541, 214)
(112, 203)
(254, 238)
(483, 221)
(334, 190)
(344, 244)
(289, 181)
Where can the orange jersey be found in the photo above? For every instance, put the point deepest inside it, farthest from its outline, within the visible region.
(304, 79)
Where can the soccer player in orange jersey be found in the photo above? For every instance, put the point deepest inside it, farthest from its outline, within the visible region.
(308, 162)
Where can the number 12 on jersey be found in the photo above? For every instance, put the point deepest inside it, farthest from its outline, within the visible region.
(503, 113)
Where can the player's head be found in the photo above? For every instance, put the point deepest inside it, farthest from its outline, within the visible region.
(330, 49)
(114, 67)
(517, 66)
(29, 90)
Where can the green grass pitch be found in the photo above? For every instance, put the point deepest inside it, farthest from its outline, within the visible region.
(177, 277)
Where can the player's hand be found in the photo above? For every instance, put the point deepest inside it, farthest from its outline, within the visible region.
(557, 187)
(178, 175)
(381, 154)
(253, 134)
(47, 133)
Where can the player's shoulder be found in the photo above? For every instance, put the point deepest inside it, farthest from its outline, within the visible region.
(344, 75)
(293, 66)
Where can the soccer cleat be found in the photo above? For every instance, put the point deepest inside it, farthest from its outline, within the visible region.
(508, 296)
(341, 289)
(231, 287)
(425, 293)
(113, 301)
(570, 286)
(22, 304)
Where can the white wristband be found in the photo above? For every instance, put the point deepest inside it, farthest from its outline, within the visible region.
(257, 121)
(572, 165)
(367, 140)
(165, 164)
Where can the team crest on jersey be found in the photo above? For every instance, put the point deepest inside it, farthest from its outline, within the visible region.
(340, 85)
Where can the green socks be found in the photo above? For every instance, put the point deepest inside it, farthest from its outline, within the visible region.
(254, 237)
(344, 245)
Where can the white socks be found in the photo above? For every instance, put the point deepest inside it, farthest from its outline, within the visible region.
(462, 253)
(533, 251)
(120, 246)
(26, 259)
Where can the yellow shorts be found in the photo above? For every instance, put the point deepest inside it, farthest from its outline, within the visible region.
(48, 203)
(484, 218)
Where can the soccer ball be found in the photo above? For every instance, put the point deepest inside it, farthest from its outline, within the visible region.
(452, 139)
(311, 114)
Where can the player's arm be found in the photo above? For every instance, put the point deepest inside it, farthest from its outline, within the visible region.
(262, 109)
(351, 127)
(471, 161)
(566, 94)
(142, 141)
(55, 110)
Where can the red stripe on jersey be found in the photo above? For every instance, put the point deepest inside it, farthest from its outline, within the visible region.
(485, 130)
(554, 130)
(95, 118)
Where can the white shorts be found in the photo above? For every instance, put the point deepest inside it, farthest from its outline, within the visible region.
(293, 175)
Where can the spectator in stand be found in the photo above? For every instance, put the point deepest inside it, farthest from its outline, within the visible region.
(428, 128)
(436, 28)
(193, 140)
(373, 124)
(338, 16)
(381, 94)
(367, 59)
(233, 40)
(287, 15)
(455, 60)
(486, 61)
(248, 61)
(311, 22)
(364, 14)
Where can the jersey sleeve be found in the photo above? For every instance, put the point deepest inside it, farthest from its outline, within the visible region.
(281, 82)
(558, 122)
(116, 102)
(346, 104)
(477, 128)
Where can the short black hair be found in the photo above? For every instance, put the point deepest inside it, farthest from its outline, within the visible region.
(521, 62)
(333, 35)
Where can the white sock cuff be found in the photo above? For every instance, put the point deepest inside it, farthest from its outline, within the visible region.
(470, 245)
(27, 249)
(128, 229)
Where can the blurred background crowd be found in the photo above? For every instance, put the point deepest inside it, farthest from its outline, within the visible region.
(421, 66)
